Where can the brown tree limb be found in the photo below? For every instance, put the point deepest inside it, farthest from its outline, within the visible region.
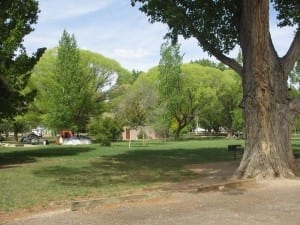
(232, 63)
(288, 61)
(295, 106)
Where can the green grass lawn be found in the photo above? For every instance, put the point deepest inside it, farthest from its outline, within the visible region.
(38, 176)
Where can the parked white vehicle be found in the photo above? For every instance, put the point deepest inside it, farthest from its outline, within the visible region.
(38, 131)
(81, 140)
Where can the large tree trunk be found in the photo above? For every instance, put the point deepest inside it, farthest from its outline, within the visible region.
(268, 132)
(268, 118)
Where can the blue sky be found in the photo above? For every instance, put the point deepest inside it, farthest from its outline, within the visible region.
(116, 30)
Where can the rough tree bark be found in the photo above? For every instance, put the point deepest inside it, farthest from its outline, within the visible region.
(268, 111)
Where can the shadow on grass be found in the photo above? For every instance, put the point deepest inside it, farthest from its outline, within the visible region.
(139, 167)
(22, 156)
(296, 149)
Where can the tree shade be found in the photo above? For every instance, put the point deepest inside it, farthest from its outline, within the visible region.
(16, 18)
(268, 111)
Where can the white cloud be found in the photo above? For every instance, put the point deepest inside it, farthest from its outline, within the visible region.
(57, 9)
(116, 30)
(131, 53)
(42, 38)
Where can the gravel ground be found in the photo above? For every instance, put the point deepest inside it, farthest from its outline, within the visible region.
(269, 202)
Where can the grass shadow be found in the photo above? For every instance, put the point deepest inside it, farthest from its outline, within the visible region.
(296, 149)
(23, 156)
(138, 167)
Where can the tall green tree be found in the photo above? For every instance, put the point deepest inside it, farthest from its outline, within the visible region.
(70, 92)
(224, 110)
(147, 87)
(219, 26)
(104, 79)
(230, 96)
(132, 111)
(184, 92)
(108, 75)
(42, 80)
(211, 95)
(16, 19)
(170, 85)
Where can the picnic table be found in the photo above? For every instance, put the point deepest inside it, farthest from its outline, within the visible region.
(237, 150)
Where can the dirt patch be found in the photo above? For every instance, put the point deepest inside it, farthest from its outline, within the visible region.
(268, 202)
(274, 202)
(207, 174)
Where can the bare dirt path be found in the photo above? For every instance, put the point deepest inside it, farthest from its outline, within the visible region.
(269, 202)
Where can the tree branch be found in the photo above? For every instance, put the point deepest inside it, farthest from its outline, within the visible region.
(288, 61)
(232, 63)
(295, 106)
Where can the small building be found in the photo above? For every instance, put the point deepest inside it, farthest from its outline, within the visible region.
(143, 131)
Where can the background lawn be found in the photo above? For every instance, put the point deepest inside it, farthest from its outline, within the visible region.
(41, 176)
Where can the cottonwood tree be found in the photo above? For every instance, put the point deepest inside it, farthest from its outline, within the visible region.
(229, 95)
(135, 109)
(70, 90)
(219, 111)
(102, 76)
(171, 86)
(132, 111)
(269, 112)
(16, 19)
(184, 90)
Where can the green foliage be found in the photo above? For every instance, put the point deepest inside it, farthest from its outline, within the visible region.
(106, 129)
(136, 74)
(70, 91)
(209, 63)
(214, 20)
(216, 24)
(5, 127)
(99, 84)
(109, 74)
(17, 18)
(294, 79)
(18, 125)
(296, 125)
(132, 111)
(225, 96)
(237, 120)
(190, 90)
(136, 105)
(147, 87)
(208, 94)
(170, 83)
(288, 12)
(110, 80)
(170, 73)
(230, 97)
(42, 80)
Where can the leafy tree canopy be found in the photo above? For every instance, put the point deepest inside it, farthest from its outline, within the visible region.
(219, 26)
(215, 24)
(101, 80)
(16, 18)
